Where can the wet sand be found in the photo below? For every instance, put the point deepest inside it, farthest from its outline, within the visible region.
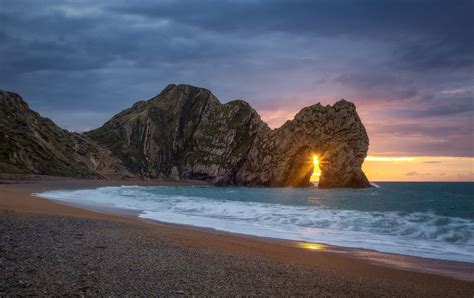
(49, 248)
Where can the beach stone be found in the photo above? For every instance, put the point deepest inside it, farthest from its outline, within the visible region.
(133, 267)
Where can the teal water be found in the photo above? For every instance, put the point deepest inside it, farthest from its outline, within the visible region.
(434, 220)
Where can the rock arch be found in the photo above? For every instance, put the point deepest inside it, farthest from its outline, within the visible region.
(282, 157)
(186, 133)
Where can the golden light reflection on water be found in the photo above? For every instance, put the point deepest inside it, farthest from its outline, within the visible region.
(312, 246)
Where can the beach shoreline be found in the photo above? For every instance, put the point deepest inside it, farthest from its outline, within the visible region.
(399, 273)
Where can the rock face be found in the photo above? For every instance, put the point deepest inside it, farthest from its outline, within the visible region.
(183, 133)
(31, 144)
(186, 133)
(283, 157)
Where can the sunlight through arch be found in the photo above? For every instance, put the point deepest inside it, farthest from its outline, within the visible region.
(316, 170)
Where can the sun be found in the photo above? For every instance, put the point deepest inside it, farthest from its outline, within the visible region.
(316, 170)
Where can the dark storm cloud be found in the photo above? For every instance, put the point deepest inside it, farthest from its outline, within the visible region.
(446, 107)
(447, 54)
(361, 18)
(79, 62)
(420, 137)
(376, 83)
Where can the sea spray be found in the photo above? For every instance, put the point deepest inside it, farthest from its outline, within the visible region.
(404, 218)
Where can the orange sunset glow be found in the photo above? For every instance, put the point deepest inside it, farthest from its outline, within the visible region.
(237, 148)
(393, 166)
(412, 168)
(418, 168)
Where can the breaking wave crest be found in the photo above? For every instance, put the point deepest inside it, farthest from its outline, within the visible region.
(424, 234)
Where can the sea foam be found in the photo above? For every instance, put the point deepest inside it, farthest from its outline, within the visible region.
(423, 234)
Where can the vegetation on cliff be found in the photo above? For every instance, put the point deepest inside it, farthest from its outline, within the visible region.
(186, 133)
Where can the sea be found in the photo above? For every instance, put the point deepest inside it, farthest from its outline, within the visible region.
(430, 220)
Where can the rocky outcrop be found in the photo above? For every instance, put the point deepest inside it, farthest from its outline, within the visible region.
(186, 133)
(31, 144)
(183, 133)
(283, 157)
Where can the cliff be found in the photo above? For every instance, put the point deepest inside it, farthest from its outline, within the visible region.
(183, 133)
(31, 144)
(283, 157)
(186, 133)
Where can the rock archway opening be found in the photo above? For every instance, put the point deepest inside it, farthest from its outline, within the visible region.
(315, 160)
(304, 168)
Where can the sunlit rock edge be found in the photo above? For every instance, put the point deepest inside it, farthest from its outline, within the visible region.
(185, 132)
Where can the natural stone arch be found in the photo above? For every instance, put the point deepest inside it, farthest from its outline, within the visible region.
(282, 157)
(339, 165)
(186, 133)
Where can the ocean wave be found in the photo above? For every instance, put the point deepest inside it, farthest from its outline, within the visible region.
(414, 233)
(374, 185)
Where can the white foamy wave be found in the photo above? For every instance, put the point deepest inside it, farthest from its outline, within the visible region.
(374, 185)
(419, 233)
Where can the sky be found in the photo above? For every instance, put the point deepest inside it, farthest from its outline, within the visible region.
(407, 65)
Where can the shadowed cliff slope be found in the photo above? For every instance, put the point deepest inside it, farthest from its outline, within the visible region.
(283, 157)
(186, 133)
(183, 133)
(31, 144)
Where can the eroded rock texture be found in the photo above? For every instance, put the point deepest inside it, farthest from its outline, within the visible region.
(183, 133)
(186, 133)
(282, 157)
(31, 144)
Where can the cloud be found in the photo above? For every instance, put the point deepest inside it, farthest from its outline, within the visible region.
(457, 92)
(361, 18)
(421, 137)
(406, 64)
(436, 107)
(417, 174)
(438, 55)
